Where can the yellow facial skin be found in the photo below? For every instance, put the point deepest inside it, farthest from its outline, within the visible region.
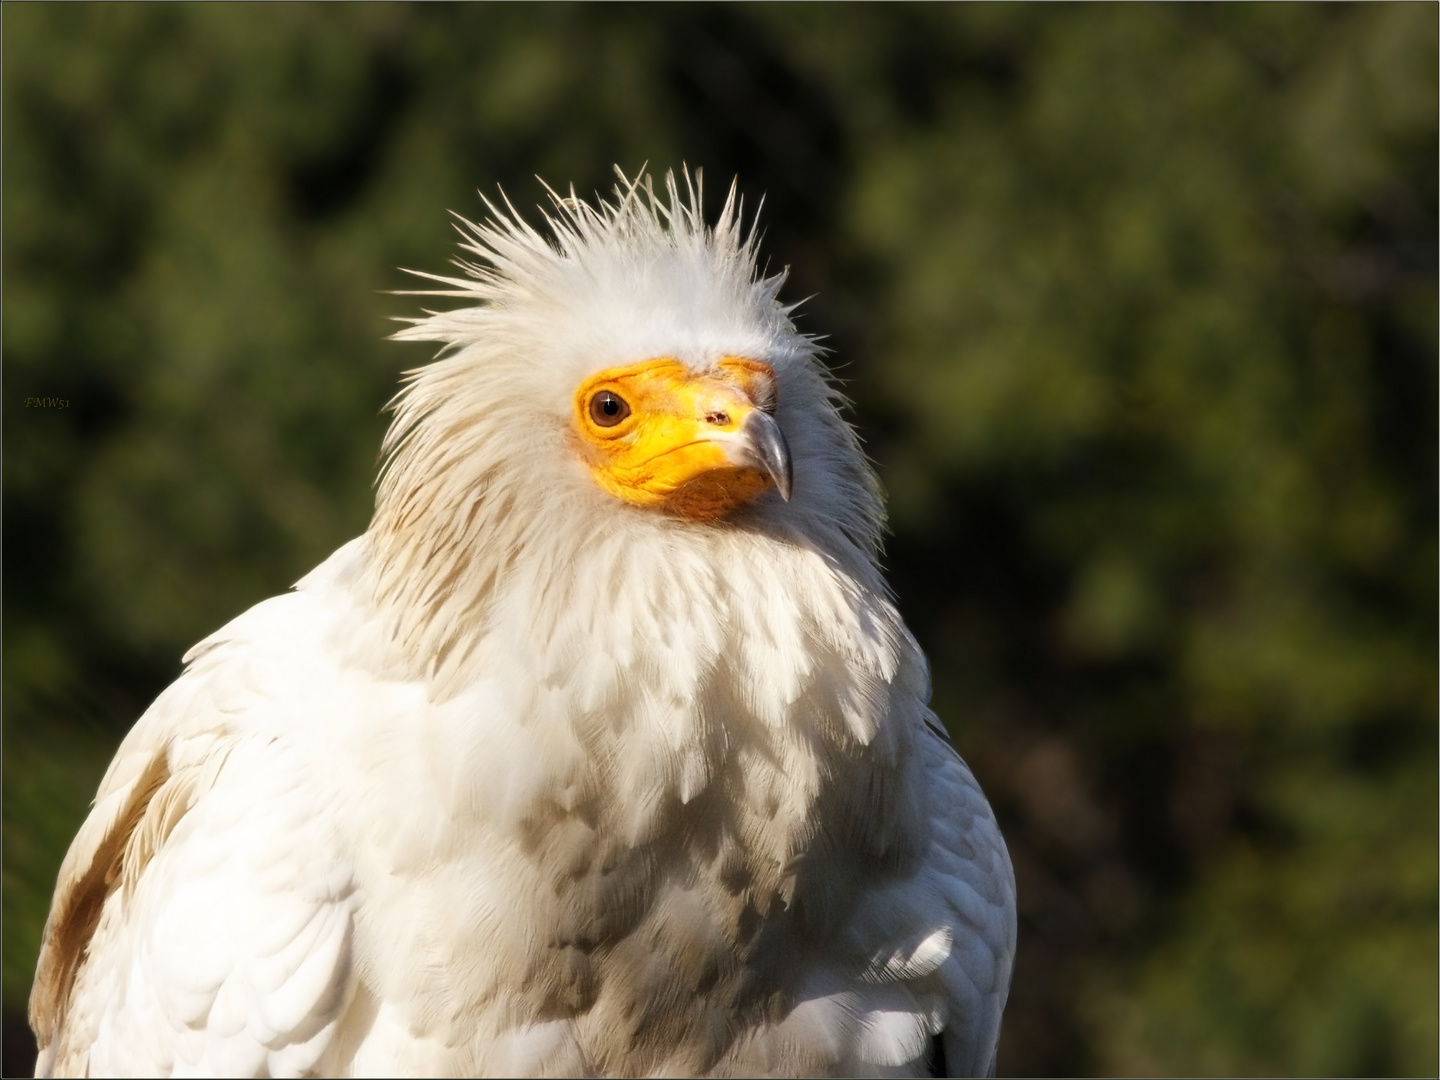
(657, 435)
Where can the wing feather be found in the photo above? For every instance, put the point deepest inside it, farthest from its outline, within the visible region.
(968, 868)
(941, 937)
(203, 917)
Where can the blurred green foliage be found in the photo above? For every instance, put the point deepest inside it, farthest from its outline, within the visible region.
(1137, 305)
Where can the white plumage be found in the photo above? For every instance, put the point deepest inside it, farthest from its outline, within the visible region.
(536, 776)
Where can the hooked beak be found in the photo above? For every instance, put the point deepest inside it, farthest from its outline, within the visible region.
(763, 443)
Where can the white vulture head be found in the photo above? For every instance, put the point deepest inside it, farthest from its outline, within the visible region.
(632, 388)
(602, 752)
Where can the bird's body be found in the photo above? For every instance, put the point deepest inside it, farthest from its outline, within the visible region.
(574, 763)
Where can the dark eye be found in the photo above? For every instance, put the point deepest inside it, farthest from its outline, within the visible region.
(608, 409)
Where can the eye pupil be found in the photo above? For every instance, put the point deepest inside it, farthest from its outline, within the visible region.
(608, 408)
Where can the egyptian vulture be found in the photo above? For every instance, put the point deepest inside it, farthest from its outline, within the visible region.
(604, 751)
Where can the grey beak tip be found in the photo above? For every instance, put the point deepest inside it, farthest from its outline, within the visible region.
(783, 481)
(772, 452)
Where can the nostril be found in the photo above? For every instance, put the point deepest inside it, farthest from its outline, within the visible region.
(717, 418)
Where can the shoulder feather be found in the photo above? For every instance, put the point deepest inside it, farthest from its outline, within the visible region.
(94, 865)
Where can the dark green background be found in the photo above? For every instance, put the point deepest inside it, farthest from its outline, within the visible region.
(1137, 305)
